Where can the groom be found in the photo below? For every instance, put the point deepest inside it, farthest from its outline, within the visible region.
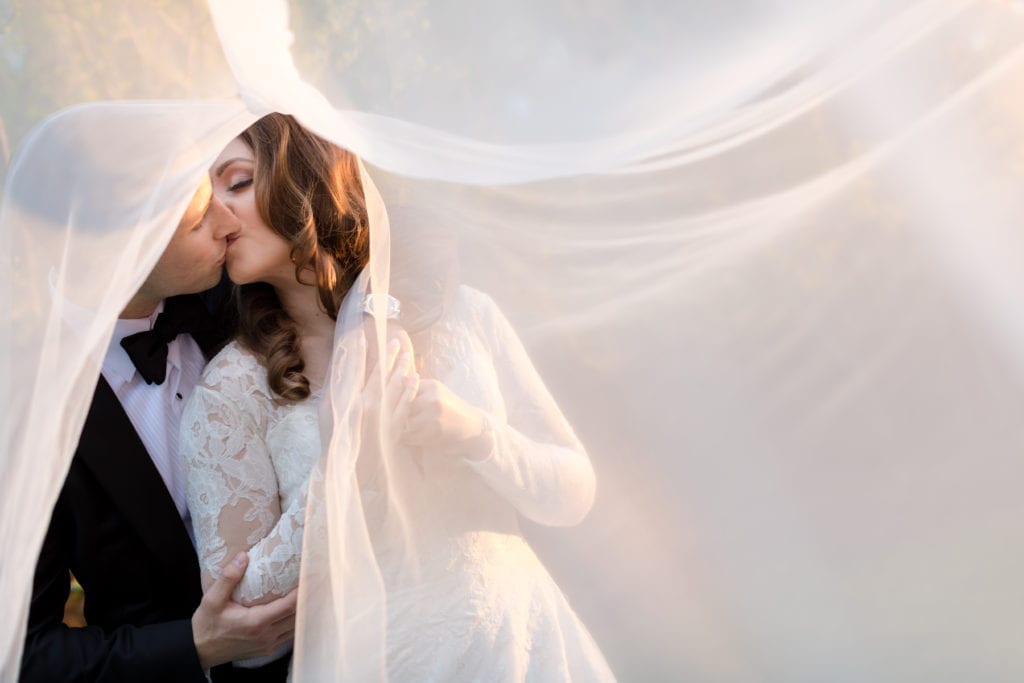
(121, 524)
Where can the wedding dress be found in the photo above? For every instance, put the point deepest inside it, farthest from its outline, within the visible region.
(468, 599)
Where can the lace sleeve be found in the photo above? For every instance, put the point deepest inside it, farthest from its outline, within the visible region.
(233, 495)
(537, 463)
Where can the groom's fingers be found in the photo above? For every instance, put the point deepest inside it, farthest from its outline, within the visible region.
(284, 623)
(285, 637)
(277, 611)
(284, 628)
(230, 574)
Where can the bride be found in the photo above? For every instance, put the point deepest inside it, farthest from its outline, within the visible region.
(471, 439)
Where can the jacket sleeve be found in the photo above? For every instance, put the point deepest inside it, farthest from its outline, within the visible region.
(56, 652)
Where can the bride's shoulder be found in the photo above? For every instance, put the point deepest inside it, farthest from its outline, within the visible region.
(476, 309)
(236, 371)
(472, 303)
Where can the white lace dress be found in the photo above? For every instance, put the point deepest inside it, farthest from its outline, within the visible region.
(481, 607)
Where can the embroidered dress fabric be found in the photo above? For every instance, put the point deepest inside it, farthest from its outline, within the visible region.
(747, 277)
(248, 459)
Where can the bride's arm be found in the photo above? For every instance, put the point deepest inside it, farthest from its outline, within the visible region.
(535, 460)
(523, 447)
(233, 496)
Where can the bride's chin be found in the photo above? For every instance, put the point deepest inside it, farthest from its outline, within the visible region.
(237, 276)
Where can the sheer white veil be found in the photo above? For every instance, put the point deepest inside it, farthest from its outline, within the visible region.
(767, 257)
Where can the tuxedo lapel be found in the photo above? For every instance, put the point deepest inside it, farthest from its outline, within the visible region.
(112, 450)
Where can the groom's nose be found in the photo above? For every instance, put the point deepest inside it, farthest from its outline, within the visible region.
(223, 221)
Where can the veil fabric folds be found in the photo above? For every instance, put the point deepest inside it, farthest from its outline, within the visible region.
(767, 257)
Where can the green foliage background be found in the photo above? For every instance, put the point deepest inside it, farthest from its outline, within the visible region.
(54, 53)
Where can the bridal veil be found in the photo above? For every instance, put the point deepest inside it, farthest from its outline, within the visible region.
(767, 256)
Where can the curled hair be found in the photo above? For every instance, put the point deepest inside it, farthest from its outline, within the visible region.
(309, 192)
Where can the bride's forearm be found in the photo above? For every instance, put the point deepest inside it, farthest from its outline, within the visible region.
(273, 569)
(547, 483)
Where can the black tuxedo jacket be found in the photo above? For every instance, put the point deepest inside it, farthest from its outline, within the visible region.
(115, 526)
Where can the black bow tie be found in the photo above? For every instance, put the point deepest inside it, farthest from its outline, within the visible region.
(148, 350)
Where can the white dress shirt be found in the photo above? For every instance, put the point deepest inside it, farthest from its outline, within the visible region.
(155, 409)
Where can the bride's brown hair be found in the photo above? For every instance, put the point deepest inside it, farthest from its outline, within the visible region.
(309, 192)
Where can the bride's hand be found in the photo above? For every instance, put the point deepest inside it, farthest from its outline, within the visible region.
(386, 407)
(438, 419)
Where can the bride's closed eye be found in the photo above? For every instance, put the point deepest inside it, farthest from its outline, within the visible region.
(241, 184)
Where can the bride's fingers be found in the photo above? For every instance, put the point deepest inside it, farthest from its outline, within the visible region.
(394, 346)
(396, 382)
(373, 381)
(420, 428)
(372, 372)
(375, 361)
(401, 412)
(371, 396)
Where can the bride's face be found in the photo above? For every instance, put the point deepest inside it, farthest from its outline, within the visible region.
(255, 253)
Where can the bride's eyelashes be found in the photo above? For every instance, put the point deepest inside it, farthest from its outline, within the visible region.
(241, 184)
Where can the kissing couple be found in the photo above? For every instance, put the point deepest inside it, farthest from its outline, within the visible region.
(202, 513)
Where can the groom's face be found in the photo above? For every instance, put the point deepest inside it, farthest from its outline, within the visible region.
(193, 259)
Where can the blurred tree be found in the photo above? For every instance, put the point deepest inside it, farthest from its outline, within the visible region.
(55, 53)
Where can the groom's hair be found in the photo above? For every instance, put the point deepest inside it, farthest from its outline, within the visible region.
(309, 192)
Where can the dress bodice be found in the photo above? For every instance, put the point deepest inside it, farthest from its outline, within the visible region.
(248, 457)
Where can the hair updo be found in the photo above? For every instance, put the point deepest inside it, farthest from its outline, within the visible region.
(309, 192)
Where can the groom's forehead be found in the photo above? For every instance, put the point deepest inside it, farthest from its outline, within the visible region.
(197, 207)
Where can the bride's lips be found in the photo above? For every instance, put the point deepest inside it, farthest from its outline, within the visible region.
(228, 242)
(227, 245)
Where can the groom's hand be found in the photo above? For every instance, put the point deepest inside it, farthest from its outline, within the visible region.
(225, 631)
